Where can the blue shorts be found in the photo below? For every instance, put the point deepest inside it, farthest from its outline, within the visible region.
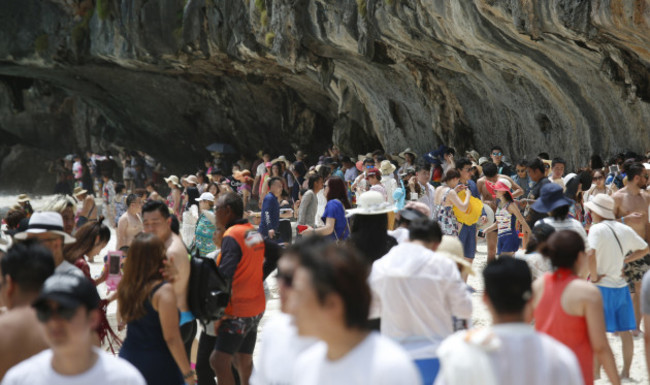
(467, 237)
(619, 312)
(428, 368)
(508, 243)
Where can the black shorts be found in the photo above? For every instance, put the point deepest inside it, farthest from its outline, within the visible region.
(238, 335)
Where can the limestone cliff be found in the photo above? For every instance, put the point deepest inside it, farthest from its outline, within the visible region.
(169, 76)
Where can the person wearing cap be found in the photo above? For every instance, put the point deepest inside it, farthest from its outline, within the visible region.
(398, 279)
(157, 220)
(23, 269)
(23, 201)
(570, 309)
(174, 200)
(467, 234)
(68, 310)
(88, 210)
(360, 185)
(373, 178)
(205, 226)
(506, 216)
(553, 202)
(615, 245)
(631, 208)
(487, 356)
(47, 228)
(412, 211)
(409, 157)
(491, 174)
(130, 223)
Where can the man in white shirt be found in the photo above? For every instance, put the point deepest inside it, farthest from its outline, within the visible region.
(47, 228)
(510, 352)
(420, 184)
(615, 244)
(68, 309)
(281, 345)
(416, 292)
(330, 300)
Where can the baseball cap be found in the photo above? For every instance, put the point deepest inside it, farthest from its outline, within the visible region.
(69, 290)
(373, 172)
(206, 196)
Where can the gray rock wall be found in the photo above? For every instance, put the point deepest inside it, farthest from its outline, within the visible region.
(570, 77)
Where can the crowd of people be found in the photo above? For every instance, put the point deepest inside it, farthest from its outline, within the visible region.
(371, 254)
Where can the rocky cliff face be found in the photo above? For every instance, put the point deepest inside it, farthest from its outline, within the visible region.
(571, 77)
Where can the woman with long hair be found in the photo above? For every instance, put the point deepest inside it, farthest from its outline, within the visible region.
(153, 341)
(174, 199)
(570, 309)
(91, 238)
(445, 198)
(336, 224)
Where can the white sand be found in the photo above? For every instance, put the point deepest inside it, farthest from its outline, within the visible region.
(639, 373)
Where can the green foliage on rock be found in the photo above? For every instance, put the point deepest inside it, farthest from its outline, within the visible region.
(42, 43)
(103, 9)
(264, 18)
(362, 7)
(268, 39)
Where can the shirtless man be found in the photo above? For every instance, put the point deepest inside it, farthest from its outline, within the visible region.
(153, 194)
(631, 208)
(88, 211)
(130, 223)
(22, 272)
(490, 174)
(157, 220)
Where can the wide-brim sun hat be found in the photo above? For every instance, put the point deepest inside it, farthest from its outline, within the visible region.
(408, 151)
(551, 197)
(452, 248)
(473, 212)
(192, 179)
(501, 185)
(482, 160)
(173, 179)
(79, 191)
(45, 222)
(281, 158)
(386, 167)
(23, 198)
(370, 203)
(489, 214)
(603, 205)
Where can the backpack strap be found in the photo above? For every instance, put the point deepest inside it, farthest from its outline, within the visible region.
(616, 236)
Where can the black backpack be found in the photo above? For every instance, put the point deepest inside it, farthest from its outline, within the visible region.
(208, 291)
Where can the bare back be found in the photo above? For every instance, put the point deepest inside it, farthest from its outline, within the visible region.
(21, 336)
(127, 228)
(176, 249)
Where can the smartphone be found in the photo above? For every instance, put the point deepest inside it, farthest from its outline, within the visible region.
(613, 169)
(481, 234)
(301, 228)
(114, 269)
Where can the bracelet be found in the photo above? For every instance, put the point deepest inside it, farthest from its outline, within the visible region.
(189, 374)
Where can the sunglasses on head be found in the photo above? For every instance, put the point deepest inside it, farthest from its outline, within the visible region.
(497, 153)
(285, 277)
(44, 312)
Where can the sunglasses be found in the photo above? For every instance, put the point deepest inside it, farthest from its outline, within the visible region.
(497, 153)
(370, 166)
(44, 312)
(285, 277)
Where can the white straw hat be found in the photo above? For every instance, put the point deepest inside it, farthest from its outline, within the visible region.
(46, 222)
(371, 203)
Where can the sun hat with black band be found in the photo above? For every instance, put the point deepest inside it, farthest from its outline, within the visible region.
(70, 291)
(603, 205)
(46, 222)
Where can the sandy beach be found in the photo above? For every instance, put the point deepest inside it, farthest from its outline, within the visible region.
(481, 317)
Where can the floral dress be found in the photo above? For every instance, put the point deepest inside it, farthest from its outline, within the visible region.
(446, 217)
(205, 229)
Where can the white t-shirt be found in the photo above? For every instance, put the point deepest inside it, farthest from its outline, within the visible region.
(108, 370)
(280, 347)
(429, 198)
(609, 259)
(567, 224)
(417, 322)
(376, 360)
(401, 234)
(537, 263)
(506, 354)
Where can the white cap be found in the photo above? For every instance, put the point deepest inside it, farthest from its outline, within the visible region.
(206, 196)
